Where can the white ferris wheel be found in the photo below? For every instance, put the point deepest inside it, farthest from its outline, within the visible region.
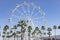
(27, 11)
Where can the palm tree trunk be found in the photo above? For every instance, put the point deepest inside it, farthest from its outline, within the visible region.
(55, 34)
(49, 37)
(42, 35)
(14, 37)
(3, 38)
(17, 37)
(22, 34)
(29, 36)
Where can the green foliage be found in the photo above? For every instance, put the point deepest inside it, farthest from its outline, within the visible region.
(29, 28)
(54, 27)
(22, 23)
(6, 27)
(36, 28)
(58, 27)
(43, 28)
(49, 29)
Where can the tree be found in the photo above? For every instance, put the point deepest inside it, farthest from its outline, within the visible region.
(14, 34)
(55, 27)
(29, 32)
(49, 32)
(0, 29)
(43, 29)
(3, 36)
(33, 34)
(36, 29)
(8, 35)
(22, 24)
(39, 33)
(6, 27)
(58, 27)
(17, 34)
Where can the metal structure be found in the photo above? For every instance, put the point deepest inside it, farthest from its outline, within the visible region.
(27, 11)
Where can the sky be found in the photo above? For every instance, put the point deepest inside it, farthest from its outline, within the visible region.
(50, 7)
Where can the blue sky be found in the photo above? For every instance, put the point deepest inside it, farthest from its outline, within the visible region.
(50, 7)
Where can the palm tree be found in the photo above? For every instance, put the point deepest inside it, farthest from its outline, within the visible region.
(36, 29)
(55, 27)
(18, 32)
(33, 34)
(43, 29)
(39, 32)
(0, 29)
(6, 27)
(8, 35)
(24, 30)
(14, 34)
(3, 36)
(29, 32)
(36, 32)
(58, 27)
(22, 24)
(11, 32)
(49, 32)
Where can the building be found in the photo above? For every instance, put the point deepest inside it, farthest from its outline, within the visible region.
(52, 37)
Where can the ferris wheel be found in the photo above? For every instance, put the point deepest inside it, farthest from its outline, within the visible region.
(27, 11)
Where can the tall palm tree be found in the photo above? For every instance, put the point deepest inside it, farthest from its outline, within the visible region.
(14, 34)
(22, 24)
(0, 29)
(55, 27)
(49, 32)
(39, 32)
(8, 35)
(43, 29)
(3, 36)
(36, 32)
(11, 32)
(17, 34)
(29, 32)
(33, 34)
(58, 27)
(6, 27)
(24, 30)
(36, 29)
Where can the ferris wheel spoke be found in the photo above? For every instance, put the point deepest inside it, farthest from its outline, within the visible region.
(42, 13)
(28, 8)
(14, 10)
(36, 14)
(15, 16)
(32, 13)
(23, 9)
(19, 12)
(37, 18)
(37, 21)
